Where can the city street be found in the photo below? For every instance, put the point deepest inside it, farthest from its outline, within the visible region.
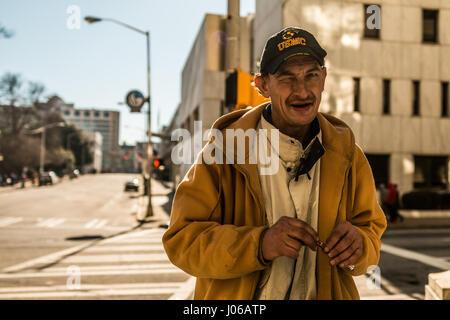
(80, 240)
(407, 257)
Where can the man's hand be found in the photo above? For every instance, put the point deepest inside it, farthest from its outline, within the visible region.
(344, 246)
(286, 237)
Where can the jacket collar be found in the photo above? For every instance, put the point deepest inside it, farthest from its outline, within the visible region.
(338, 141)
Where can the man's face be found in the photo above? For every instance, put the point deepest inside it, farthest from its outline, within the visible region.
(295, 91)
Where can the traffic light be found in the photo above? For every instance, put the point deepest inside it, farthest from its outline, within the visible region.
(240, 91)
(156, 163)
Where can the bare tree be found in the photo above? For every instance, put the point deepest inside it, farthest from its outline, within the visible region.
(11, 88)
(5, 33)
(35, 92)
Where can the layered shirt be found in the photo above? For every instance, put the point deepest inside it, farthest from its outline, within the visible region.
(284, 195)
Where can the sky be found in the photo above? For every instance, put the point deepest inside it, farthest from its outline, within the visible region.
(96, 65)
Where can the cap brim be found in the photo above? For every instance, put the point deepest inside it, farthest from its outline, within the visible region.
(294, 51)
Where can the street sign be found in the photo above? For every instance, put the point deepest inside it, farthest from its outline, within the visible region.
(135, 100)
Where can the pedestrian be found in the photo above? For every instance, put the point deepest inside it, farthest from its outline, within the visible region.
(382, 201)
(300, 232)
(393, 203)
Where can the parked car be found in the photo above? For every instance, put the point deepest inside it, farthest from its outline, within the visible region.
(132, 185)
(75, 174)
(47, 178)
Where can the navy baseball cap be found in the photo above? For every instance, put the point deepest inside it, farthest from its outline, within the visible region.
(289, 42)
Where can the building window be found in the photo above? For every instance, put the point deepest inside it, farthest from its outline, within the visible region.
(87, 113)
(416, 98)
(380, 167)
(430, 172)
(430, 26)
(386, 96)
(444, 90)
(77, 113)
(368, 17)
(96, 114)
(106, 114)
(356, 89)
(67, 113)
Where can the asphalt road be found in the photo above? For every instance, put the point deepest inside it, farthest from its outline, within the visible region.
(80, 240)
(39, 220)
(406, 259)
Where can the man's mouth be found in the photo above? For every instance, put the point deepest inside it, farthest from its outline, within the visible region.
(301, 105)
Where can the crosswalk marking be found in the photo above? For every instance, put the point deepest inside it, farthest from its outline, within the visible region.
(185, 290)
(9, 221)
(138, 253)
(91, 273)
(174, 285)
(125, 248)
(56, 221)
(50, 223)
(50, 258)
(77, 259)
(89, 294)
(95, 224)
(143, 240)
(412, 255)
(114, 267)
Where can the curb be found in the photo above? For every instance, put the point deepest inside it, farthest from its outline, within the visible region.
(420, 223)
(159, 214)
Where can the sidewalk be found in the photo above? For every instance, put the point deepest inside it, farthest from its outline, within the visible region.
(28, 185)
(161, 204)
(17, 186)
(416, 219)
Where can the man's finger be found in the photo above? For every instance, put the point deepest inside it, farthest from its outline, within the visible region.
(344, 255)
(303, 236)
(344, 243)
(293, 243)
(352, 259)
(335, 236)
(303, 225)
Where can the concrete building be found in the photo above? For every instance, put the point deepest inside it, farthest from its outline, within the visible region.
(106, 122)
(389, 84)
(130, 159)
(205, 72)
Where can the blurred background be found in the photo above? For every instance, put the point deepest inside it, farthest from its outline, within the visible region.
(86, 85)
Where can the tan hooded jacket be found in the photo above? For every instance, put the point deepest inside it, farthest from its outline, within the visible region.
(218, 216)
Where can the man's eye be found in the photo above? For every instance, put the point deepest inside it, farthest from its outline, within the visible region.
(312, 75)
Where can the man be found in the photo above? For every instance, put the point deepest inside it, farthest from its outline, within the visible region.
(247, 235)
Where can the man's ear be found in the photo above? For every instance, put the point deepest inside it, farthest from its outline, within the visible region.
(262, 85)
(324, 72)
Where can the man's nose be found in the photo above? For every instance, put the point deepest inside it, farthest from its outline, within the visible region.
(300, 89)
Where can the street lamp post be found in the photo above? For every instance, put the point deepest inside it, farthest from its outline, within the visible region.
(42, 130)
(91, 19)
